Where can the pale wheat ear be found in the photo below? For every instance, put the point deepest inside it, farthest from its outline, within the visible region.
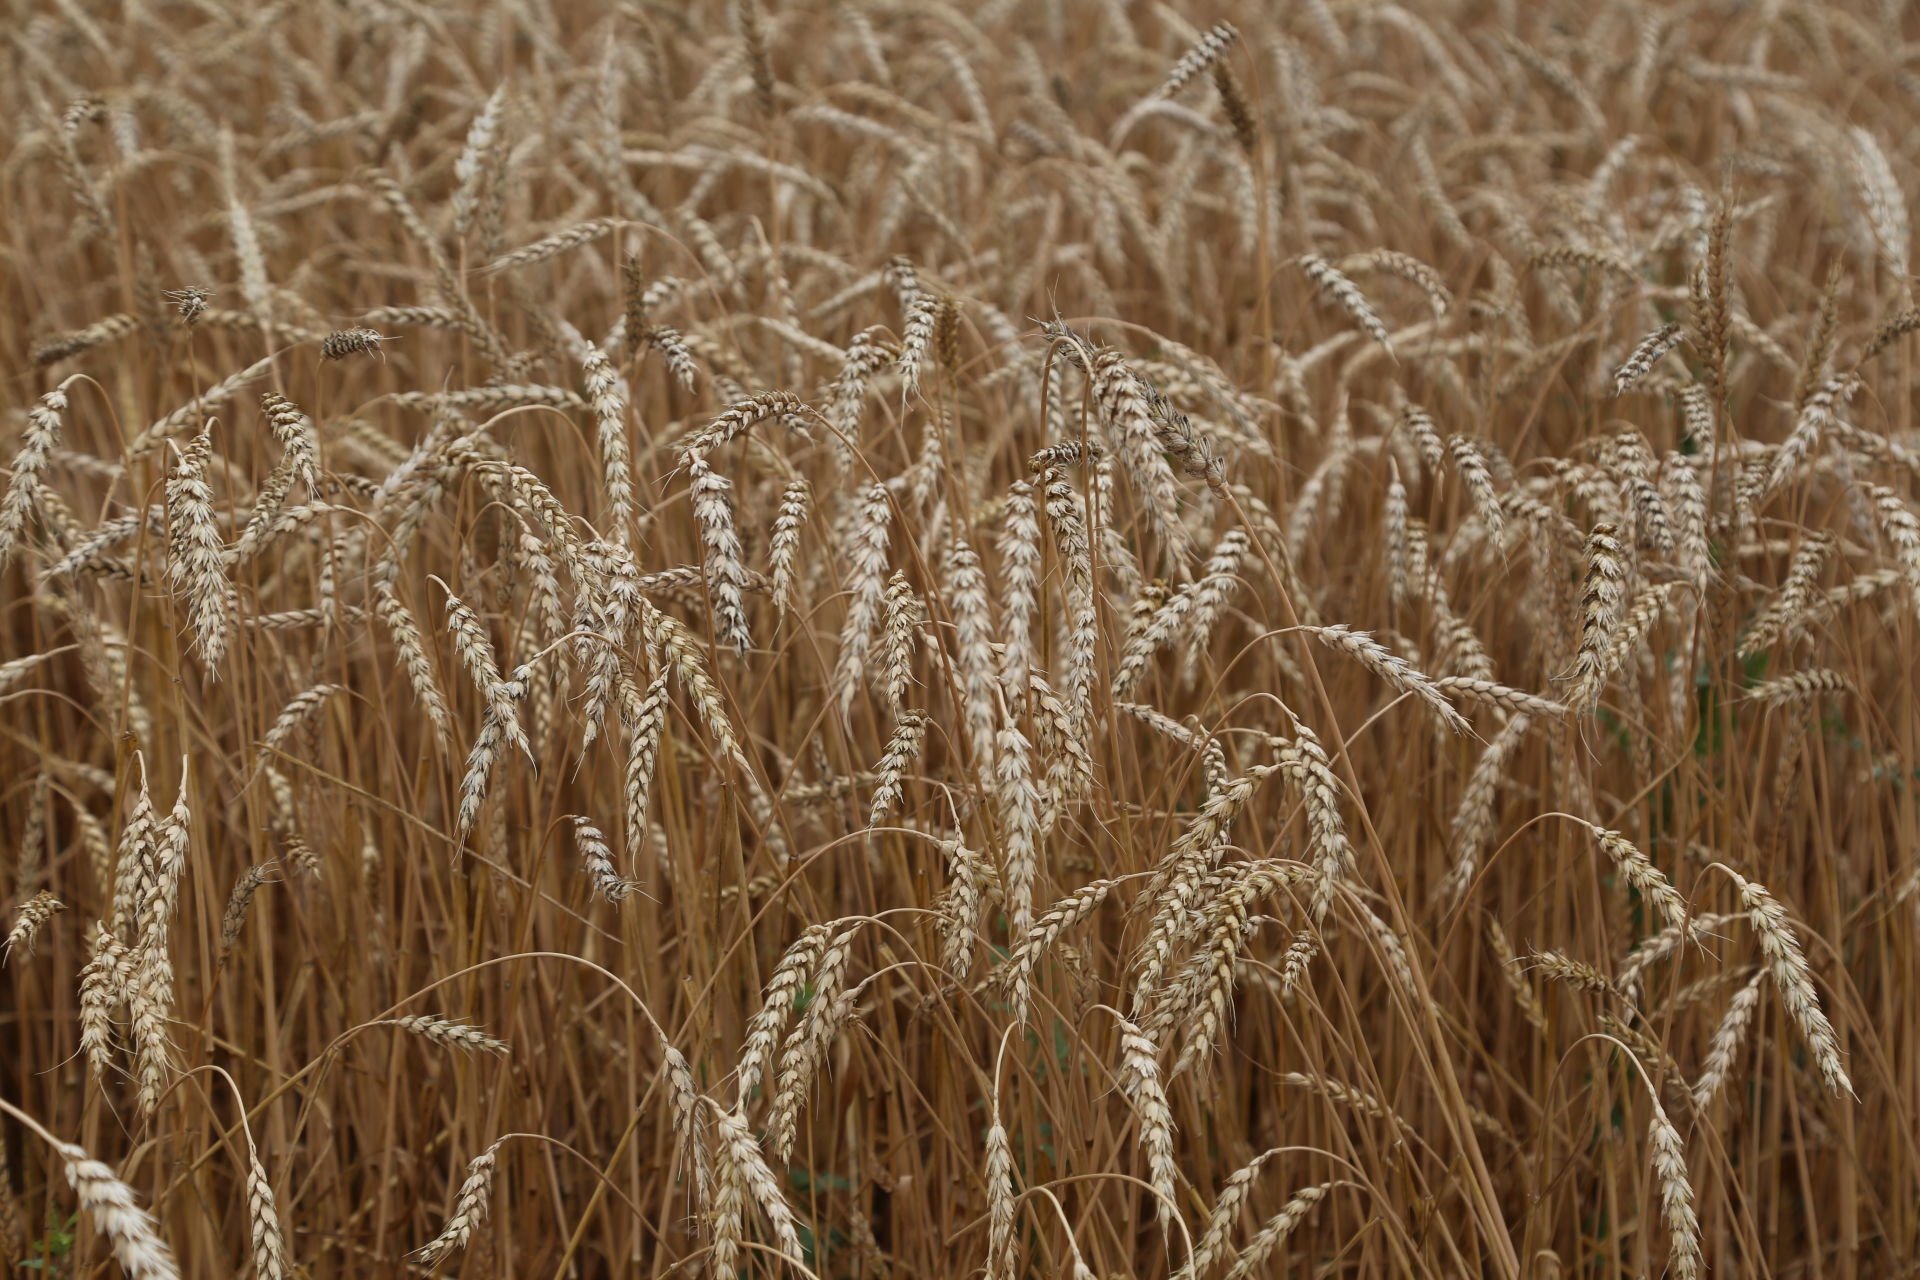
(109, 1204)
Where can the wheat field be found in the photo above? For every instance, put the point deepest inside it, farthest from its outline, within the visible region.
(877, 639)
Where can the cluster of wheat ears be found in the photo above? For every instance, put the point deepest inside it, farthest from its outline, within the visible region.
(894, 638)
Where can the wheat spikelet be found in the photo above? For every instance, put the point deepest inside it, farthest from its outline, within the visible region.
(1234, 1194)
(1627, 454)
(500, 726)
(1645, 355)
(554, 245)
(973, 632)
(1728, 1039)
(1208, 50)
(411, 653)
(915, 338)
(102, 991)
(1799, 686)
(194, 552)
(609, 403)
(597, 858)
(44, 425)
(298, 464)
(1676, 1195)
(1018, 545)
(1276, 1230)
(10, 672)
(903, 748)
(1140, 1078)
(1345, 1095)
(1000, 1198)
(683, 1100)
(1789, 607)
(1603, 595)
(455, 1035)
(1523, 992)
(729, 1212)
(1473, 819)
(1347, 294)
(33, 833)
(161, 885)
(646, 718)
(357, 341)
(27, 922)
(1902, 530)
(902, 618)
(1070, 454)
(1157, 622)
(469, 1209)
(1493, 694)
(1902, 324)
(959, 907)
(1019, 803)
(1305, 764)
(725, 557)
(239, 900)
(263, 1219)
(1710, 306)
(470, 167)
(493, 398)
(64, 346)
(1815, 416)
(1645, 878)
(291, 716)
(866, 589)
(246, 240)
(1125, 412)
(111, 1206)
(1390, 667)
(783, 545)
(1471, 463)
(1215, 588)
(1564, 969)
(866, 355)
(793, 971)
(134, 856)
(1787, 965)
(1881, 197)
(689, 669)
(758, 1180)
(1015, 974)
(805, 1051)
